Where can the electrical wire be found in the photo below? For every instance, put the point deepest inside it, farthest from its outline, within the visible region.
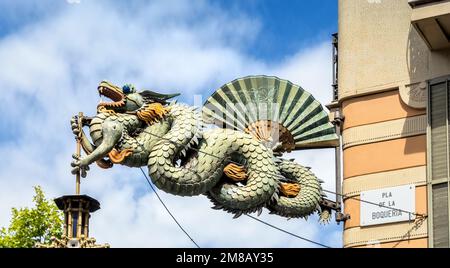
(416, 226)
(287, 232)
(167, 209)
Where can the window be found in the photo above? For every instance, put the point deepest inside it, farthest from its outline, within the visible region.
(438, 161)
(75, 224)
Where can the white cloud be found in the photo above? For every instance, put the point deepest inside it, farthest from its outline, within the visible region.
(51, 72)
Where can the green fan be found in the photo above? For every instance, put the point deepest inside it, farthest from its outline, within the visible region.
(281, 114)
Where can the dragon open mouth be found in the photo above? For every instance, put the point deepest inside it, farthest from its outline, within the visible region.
(112, 92)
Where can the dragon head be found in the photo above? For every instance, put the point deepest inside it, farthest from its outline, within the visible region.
(127, 99)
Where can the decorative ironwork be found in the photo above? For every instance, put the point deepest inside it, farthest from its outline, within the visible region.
(335, 66)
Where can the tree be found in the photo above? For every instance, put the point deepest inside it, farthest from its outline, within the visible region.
(31, 225)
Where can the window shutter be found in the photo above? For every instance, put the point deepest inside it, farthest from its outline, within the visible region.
(439, 154)
(438, 96)
(440, 215)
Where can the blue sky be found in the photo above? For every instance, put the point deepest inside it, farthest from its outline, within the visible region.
(55, 53)
(287, 26)
(295, 23)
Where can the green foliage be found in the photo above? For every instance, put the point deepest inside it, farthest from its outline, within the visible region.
(31, 225)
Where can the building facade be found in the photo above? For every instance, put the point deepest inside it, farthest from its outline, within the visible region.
(393, 83)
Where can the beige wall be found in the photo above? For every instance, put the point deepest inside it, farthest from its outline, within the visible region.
(379, 49)
(376, 108)
(384, 156)
(412, 243)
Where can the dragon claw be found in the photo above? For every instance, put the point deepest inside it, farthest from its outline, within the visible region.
(75, 170)
(235, 172)
(260, 211)
(79, 166)
(74, 125)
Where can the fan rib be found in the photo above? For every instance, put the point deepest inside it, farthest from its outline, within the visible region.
(216, 101)
(248, 101)
(287, 92)
(217, 118)
(294, 104)
(307, 123)
(229, 97)
(320, 125)
(304, 111)
(240, 95)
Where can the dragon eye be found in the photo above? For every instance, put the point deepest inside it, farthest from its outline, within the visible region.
(126, 89)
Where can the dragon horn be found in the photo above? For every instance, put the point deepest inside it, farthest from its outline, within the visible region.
(157, 96)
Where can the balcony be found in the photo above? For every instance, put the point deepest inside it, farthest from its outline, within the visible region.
(432, 21)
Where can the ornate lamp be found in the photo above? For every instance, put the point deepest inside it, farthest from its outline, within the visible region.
(77, 209)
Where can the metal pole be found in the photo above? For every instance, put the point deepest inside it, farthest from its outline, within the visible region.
(338, 119)
(78, 152)
(338, 163)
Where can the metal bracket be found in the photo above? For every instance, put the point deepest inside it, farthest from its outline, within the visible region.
(341, 217)
(328, 204)
(338, 118)
(331, 205)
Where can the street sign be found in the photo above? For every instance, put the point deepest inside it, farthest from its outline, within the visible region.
(389, 201)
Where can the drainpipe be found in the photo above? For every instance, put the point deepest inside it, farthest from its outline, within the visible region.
(338, 120)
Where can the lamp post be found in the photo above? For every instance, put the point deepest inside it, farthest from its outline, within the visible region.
(77, 212)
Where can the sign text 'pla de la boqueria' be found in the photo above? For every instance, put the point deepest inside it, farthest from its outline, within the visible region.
(394, 205)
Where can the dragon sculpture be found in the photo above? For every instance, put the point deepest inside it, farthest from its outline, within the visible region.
(236, 165)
